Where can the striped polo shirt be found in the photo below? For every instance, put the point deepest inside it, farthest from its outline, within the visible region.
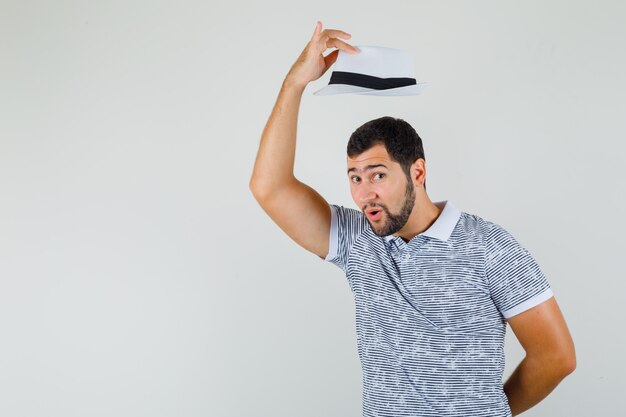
(431, 313)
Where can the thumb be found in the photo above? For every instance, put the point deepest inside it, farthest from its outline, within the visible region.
(331, 58)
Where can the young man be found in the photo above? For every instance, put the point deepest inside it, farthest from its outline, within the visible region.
(434, 287)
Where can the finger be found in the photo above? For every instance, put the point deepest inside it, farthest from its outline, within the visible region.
(335, 33)
(339, 44)
(318, 28)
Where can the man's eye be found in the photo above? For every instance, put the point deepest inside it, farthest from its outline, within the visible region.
(355, 179)
(379, 174)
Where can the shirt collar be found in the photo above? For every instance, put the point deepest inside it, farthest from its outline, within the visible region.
(444, 224)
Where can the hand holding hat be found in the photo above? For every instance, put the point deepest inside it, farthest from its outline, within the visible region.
(311, 64)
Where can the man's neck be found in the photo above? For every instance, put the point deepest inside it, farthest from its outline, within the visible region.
(424, 214)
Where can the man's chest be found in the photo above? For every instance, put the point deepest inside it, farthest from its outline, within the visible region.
(446, 288)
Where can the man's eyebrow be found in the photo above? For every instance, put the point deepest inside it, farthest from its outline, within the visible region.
(369, 167)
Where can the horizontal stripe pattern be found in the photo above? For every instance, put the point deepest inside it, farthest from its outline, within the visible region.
(430, 313)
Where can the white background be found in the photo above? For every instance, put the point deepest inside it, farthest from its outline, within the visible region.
(138, 275)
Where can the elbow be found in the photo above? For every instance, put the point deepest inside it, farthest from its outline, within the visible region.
(565, 363)
(557, 363)
(569, 364)
(253, 185)
(256, 189)
(264, 189)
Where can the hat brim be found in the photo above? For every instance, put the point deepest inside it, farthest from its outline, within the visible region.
(333, 89)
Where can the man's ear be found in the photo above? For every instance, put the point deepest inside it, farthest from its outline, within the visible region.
(418, 172)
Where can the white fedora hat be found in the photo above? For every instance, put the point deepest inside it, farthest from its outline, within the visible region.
(376, 71)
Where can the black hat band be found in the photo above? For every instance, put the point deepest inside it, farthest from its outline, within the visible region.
(369, 81)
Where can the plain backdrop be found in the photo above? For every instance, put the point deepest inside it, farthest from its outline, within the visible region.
(138, 275)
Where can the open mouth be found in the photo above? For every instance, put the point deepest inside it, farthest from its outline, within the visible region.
(375, 215)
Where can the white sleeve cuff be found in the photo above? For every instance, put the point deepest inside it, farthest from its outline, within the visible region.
(332, 242)
(528, 304)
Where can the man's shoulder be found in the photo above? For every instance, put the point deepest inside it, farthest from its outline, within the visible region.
(492, 234)
(349, 219)
(474, 224)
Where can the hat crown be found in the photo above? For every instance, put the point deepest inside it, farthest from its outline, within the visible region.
(376, 61)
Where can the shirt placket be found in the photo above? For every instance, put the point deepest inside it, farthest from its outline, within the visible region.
(401, 255)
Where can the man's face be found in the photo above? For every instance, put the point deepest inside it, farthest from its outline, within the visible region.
(381, 189)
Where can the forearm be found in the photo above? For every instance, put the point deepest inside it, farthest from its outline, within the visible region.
(275, 157)
(273, 168)
(532, 381)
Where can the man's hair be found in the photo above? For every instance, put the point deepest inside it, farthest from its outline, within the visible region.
(400, 139)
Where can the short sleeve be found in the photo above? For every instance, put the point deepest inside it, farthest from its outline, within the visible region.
(346, 225)
(515, 280)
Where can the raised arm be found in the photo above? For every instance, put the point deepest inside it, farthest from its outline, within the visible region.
(295, 207)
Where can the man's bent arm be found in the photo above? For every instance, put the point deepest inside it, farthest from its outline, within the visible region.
(550, 355)
(295, 207)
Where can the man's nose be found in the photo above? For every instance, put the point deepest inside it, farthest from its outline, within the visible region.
(366, 194)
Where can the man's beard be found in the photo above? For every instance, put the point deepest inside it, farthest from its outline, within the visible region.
(396, 222)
